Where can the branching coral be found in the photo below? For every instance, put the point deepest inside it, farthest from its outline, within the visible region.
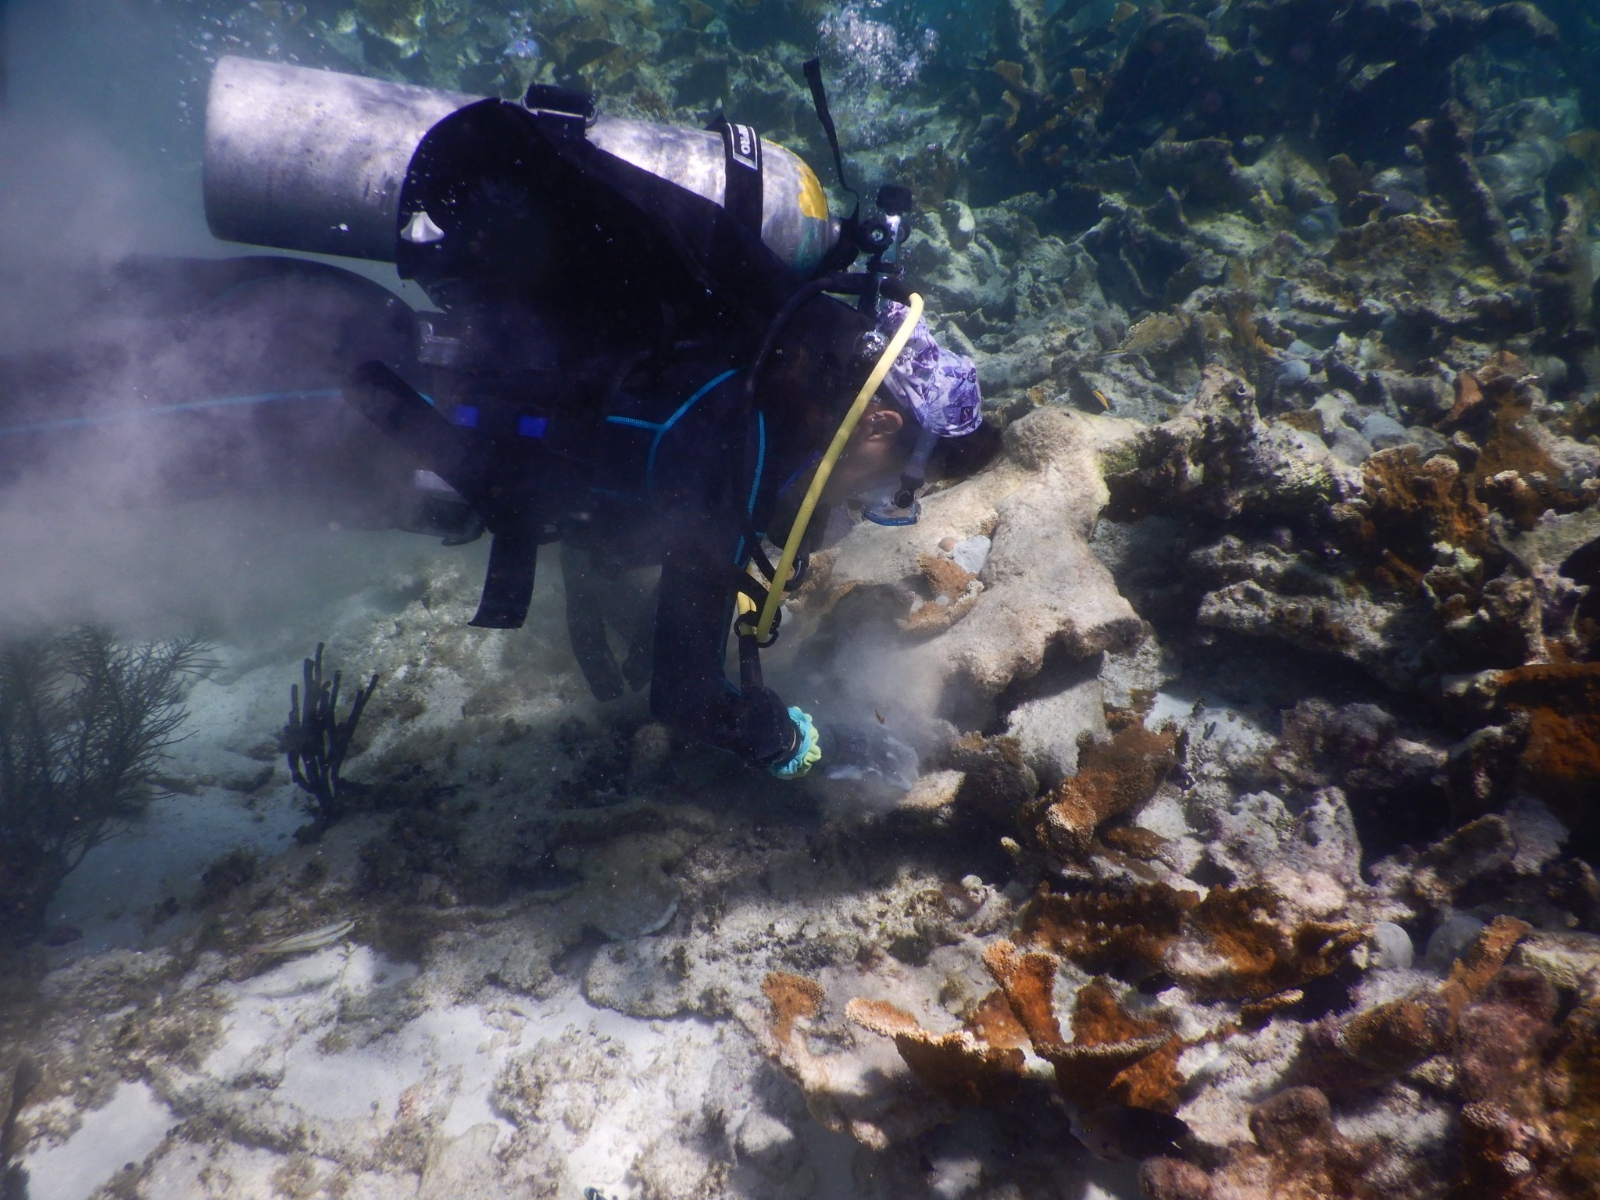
(959, 1065)
(1235, 942)
(317, 742)
(1114, 778)
(1394, 1036)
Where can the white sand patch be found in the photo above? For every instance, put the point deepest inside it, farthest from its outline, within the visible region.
(124, 1131)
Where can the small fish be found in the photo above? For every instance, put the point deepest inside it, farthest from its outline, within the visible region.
(1123, 12)
(879, 715)
(298, 943)
(1101, 396)
(1120, 1132)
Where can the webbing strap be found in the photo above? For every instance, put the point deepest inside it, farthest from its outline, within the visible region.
(819, 100)
(741, 196)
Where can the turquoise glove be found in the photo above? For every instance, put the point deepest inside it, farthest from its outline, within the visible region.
(807, 749)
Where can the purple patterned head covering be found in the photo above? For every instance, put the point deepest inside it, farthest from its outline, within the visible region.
(938, 387)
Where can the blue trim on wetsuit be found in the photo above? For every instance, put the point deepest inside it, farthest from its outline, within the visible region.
(755, 483)
(761, 462)
(662, 427)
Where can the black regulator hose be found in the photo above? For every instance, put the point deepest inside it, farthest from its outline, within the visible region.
(846, 283)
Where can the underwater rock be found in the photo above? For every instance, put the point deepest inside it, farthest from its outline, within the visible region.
(1563, 280)
(1043, 589)
(1203, 171)
(1167, 70)
(1362, 74)
(1568, 961)
(1299, 1153)
(1050, 729)
(625, 893)
(1138, 266)
(1446, 142)
(1357, 744)
(1220, 457)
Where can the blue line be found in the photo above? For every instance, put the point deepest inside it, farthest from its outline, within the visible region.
(134, 414)
(761, 462)
(799, 471)
(635, 422)
(650, 463)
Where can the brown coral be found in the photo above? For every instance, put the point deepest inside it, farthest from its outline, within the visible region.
(1239, 944)
(1117, 1057)
(1395, 1036)
(953, 591)
(1562, 756)
(1124, 935)
(958, 1066)
(1027, 982)
(793, 998)
(1113, 778)
(1408, 506)
(1234, 943)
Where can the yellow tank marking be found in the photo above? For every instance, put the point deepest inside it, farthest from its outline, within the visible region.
(813, 203)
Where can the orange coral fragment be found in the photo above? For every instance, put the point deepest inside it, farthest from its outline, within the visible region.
(1408, 506)
(1468, 396)
(1028, 983)
(1483, 960)
(991, 1020)
(1239, 945)
(1113, 778)
(956, 1065)
(1123, 935)
(793, 998)
(1562, 755)
(1117, 1057)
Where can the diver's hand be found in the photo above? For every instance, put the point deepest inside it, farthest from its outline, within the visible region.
(867, 753)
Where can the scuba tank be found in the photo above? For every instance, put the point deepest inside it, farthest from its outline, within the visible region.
(316, 161)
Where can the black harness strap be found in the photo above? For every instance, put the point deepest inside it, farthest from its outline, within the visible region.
(819, 100)
(742, 194)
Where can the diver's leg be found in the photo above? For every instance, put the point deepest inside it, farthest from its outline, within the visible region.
(689, 688)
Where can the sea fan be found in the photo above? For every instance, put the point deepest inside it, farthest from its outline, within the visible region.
(85, 722)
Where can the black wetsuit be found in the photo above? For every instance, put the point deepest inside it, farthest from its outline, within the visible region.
(664, 492)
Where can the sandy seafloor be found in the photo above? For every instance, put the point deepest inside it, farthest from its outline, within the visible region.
(354, 1069)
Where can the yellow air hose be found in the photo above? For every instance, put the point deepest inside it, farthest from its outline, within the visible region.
(841, 436)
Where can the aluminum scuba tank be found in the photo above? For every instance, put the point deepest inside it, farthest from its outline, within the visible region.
(314, 161)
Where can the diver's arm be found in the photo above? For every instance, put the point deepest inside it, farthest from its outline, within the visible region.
(690, 689)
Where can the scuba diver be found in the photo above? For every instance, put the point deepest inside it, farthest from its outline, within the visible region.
(649, 347)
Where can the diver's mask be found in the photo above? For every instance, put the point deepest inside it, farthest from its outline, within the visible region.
(895, 503)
